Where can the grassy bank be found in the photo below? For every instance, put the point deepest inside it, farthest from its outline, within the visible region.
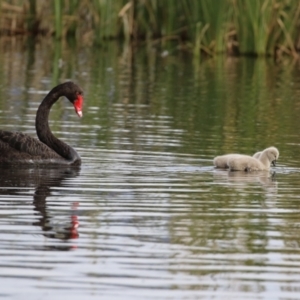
(255, 27)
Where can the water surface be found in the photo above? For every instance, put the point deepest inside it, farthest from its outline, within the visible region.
(146, 216)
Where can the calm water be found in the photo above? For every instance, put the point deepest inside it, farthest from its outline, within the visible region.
(147, 216)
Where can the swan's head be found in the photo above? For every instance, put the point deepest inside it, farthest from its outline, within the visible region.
(75, 95)
(273, 155)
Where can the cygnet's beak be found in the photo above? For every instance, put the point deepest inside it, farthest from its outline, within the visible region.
(274, 163)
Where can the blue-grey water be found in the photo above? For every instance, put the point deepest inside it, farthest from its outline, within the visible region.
(147, 216)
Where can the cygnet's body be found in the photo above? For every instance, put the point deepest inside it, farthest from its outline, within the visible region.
(221, 161)
(249, 163)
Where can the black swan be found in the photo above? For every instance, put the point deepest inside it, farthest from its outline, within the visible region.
(17, 147)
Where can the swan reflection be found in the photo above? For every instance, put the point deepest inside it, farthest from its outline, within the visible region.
(55, 224)
(241, 178)
(250, 184)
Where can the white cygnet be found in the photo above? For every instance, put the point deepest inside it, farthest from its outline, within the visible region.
(249, 163)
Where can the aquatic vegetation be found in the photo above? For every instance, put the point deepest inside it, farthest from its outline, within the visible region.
(261, 27)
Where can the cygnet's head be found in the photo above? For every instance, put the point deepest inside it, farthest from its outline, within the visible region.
(272, 154)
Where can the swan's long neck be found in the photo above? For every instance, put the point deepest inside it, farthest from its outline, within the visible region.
(265, 159)
(44, 133)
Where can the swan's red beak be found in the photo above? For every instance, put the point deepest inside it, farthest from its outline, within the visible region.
(78, 103)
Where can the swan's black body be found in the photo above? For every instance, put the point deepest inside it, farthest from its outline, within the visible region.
(17, 147)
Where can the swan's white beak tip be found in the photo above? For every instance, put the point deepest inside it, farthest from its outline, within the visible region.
(79, 113)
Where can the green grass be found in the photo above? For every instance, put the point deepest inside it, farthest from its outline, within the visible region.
(256, 27)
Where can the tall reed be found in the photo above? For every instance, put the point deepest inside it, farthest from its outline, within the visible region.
(259, 27)
(207, 20)
(264, 26)
(58, 18)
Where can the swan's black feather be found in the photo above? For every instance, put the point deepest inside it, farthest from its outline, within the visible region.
(19, 146)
